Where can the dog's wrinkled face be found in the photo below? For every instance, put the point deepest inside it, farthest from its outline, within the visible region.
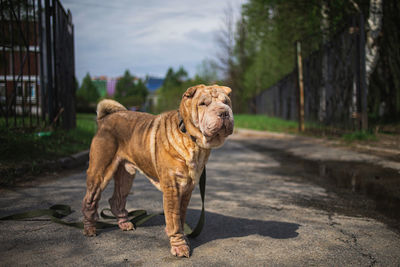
(210, 111)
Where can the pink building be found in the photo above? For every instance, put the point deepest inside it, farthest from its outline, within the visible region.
(111, 84)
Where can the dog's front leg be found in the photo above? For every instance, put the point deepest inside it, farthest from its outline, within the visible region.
(173, 194)
(185, 199)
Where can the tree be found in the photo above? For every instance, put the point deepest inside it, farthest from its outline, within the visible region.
(207, 71)
(124, 86)
(384, 82)
(175, 84)
(273, 27)
(130, 91)
(234, 57)
(259, 51)
(88, 91)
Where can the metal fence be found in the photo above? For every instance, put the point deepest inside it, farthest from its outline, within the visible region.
(333, 79)
(37, 75)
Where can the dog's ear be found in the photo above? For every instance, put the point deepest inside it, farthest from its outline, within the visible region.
(227, 90)
(192, 90)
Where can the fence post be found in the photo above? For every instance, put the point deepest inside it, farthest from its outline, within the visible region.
(73, 103)
(42, 61)
(300, 86)
(56, 89)
(49, 62)
(363, 76)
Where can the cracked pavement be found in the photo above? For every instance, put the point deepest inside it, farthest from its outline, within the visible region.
(265, 205)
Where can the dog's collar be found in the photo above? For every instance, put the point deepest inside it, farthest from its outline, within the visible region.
(181, 124)
(182, 127)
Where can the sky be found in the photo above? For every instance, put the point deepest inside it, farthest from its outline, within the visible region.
(146, 37)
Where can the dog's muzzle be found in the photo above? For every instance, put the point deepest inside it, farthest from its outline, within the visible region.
(221, 124)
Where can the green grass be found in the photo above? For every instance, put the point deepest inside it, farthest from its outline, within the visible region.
(21, 147)
(359, 136)
(265, 123)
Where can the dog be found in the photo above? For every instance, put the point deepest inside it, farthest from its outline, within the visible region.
(170, 149)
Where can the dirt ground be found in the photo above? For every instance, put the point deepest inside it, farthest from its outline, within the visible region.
(385, 145)
(271, 199)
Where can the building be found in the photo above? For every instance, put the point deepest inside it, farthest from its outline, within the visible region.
(111, 84)
(107, 88)
(19, 69)
(37, 65)
(152, 84)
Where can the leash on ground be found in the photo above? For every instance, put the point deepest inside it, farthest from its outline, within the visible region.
(57, 212)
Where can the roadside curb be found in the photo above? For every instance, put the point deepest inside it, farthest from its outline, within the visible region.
(69, 162)
(75, 160)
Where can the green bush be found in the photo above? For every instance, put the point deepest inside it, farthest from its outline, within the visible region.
(360, 136)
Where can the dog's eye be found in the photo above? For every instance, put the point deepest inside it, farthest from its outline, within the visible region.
(205, 103)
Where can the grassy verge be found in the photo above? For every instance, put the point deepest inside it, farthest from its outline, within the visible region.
(20, 147)
(265, 123)
(359, 136)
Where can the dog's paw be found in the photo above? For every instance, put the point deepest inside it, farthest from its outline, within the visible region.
(89, 231)
(126, 226)
(181, 251)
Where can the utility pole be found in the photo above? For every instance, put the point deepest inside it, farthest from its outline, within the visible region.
(300, 86)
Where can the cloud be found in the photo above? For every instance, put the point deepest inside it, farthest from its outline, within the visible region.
(145, 37)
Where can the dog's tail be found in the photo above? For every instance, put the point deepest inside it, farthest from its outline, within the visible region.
(108, 106)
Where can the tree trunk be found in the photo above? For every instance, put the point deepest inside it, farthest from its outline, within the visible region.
(325, 79)
(374, 25)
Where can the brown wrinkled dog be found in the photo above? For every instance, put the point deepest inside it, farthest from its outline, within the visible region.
(171, 149)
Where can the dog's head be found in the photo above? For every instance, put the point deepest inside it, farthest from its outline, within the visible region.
(207, 114)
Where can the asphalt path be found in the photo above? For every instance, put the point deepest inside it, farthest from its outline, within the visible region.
(263, 207)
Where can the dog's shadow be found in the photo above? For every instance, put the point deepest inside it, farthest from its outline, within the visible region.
(218, 226)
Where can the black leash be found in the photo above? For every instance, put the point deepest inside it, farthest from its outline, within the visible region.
(57, 212)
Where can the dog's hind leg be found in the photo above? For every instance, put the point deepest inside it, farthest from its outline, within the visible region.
(123, 180)
(102, 165)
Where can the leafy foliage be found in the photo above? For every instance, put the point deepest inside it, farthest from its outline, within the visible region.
(88, 91)
(263, 51)
(175, 84)
(87, 95)
(208, 71)
(259, 51)
(359, 135)
(130, 91)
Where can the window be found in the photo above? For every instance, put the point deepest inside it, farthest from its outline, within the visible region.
(2, 92)
(30, 90)
(19, 88)
(2, 89)
(26, 92)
